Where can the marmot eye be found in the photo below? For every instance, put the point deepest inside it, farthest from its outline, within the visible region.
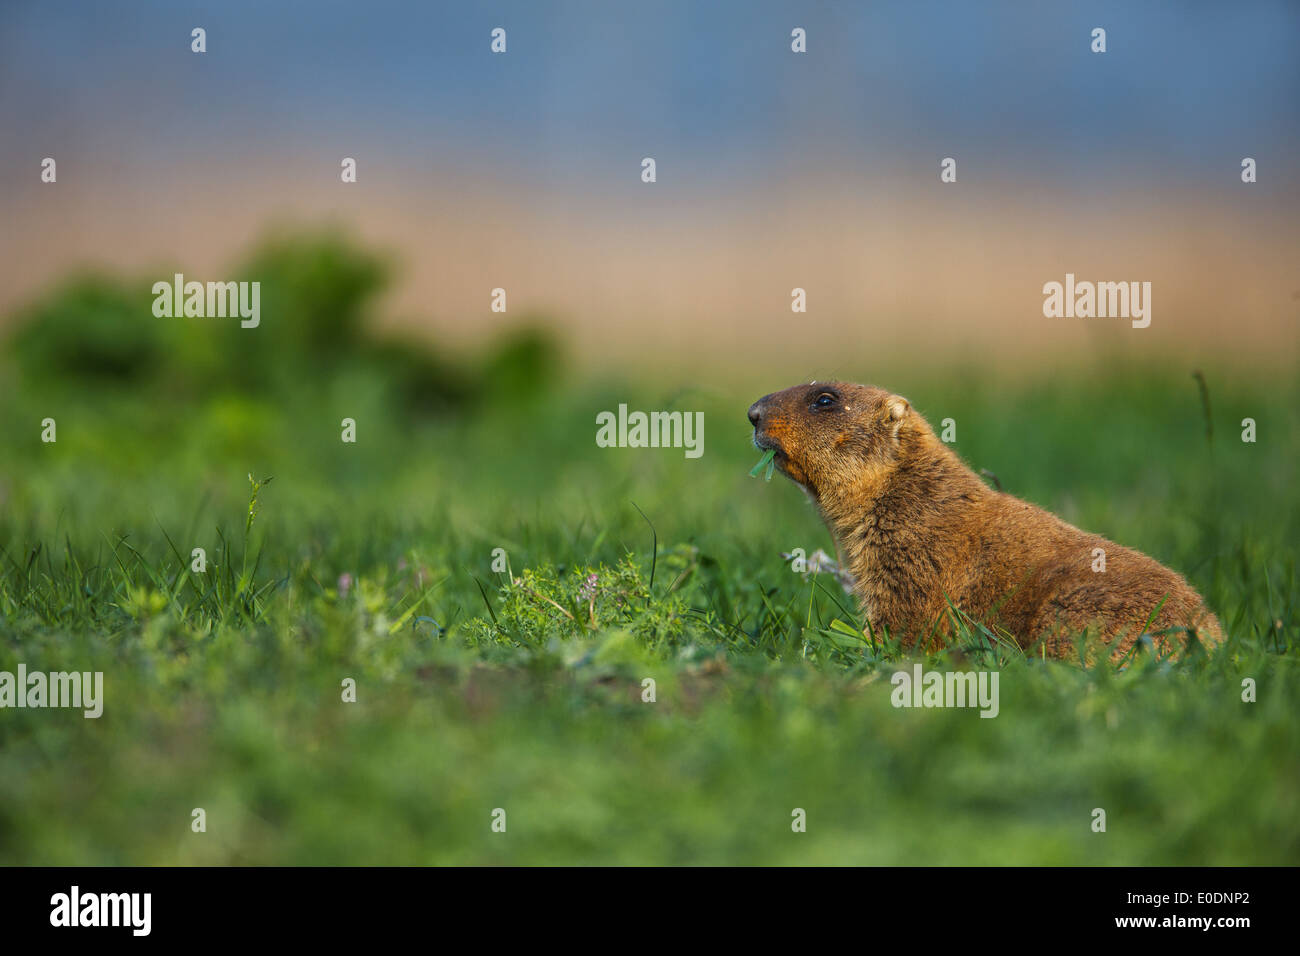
(824, 400)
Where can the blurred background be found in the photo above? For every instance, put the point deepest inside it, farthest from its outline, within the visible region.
(775, 170)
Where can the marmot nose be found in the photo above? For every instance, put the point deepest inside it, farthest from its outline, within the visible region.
(756, 412)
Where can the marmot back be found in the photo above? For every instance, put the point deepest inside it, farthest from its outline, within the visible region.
(917, 529)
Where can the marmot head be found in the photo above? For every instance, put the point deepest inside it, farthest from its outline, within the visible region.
(833, 435)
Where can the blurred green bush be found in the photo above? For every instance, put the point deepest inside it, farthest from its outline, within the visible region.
(318, 296)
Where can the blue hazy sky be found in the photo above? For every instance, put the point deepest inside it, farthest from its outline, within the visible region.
(1184, 88)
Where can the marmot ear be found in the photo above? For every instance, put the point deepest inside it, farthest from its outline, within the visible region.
(896, 407)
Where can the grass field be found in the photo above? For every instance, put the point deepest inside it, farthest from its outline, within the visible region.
(373, 561)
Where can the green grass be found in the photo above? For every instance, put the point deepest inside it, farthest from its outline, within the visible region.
(480, 689)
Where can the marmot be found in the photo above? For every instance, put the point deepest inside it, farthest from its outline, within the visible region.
(917, 529)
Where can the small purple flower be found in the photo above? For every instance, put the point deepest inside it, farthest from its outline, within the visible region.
(345, 584)
(588, 590)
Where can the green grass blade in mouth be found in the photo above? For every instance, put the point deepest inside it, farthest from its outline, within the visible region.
(765, 460)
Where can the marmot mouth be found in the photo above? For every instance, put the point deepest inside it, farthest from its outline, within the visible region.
(767, 443)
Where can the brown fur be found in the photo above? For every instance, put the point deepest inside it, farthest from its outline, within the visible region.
(916, 529)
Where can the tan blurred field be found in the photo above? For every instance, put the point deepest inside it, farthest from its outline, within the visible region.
(897, 266)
